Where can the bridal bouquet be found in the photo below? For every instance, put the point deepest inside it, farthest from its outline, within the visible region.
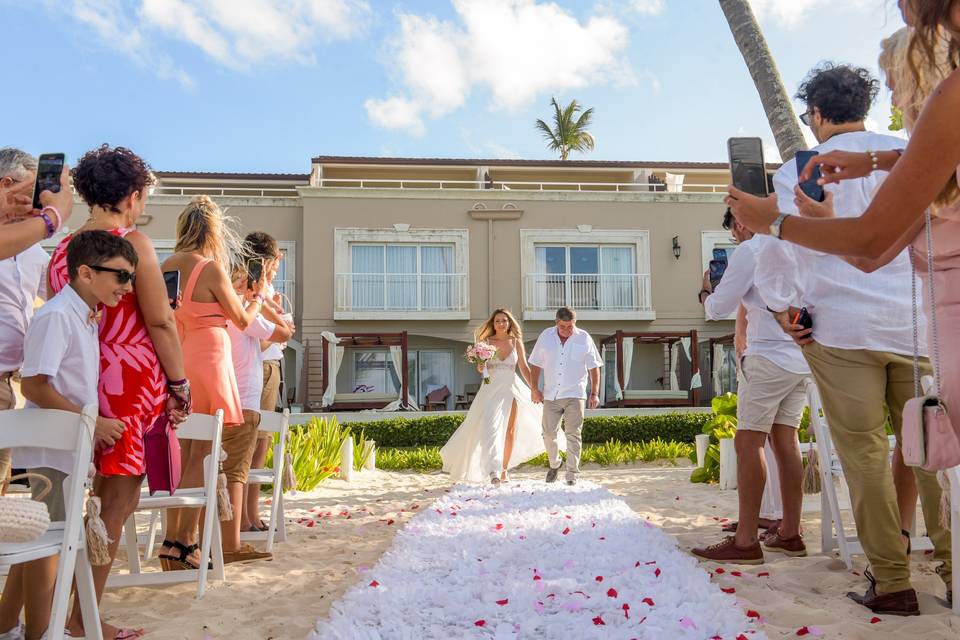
(479, 354)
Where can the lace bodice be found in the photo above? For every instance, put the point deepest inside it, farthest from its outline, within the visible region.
(496, 365)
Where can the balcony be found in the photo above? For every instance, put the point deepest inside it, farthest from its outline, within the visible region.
(608, 296)
(402, 296)
(517, 185)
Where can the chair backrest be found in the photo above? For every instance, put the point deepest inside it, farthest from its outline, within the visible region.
(471, 389)
(200, 426)
(273, 421)
(438, 395)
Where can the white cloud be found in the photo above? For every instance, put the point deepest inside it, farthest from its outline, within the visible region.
(790, 13)
(648, 7)
(514, 49)
(395, 113)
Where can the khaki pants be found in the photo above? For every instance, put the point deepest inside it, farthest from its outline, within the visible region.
(856, 386)
(571, 411)
(271, 391)
(239, 443)
(7, 401)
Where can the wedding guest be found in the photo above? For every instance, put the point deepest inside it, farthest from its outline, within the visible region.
(772, 385)
(207, 247)
(60, 371)
(141, 365)
(241, 441)
(16, 206)
(21, 280)
(861, 350)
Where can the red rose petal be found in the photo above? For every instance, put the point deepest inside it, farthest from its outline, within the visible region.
(568, 517)
(657, 572)
(537, 578)
(875, 620)
(648, 602)
(390, 521)
(719, 570)
(498, 527)
(752, 614)
(599, 578)
(763, 574)
(374, 583)
(611, 592)
(503, 602)
(638, 564)
(565, 531)
(599, 621)
(729, 590)
(480, 623)
(802, 631)
(736, 573)
(310, 523)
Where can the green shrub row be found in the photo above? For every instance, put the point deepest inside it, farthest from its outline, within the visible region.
(434, 431)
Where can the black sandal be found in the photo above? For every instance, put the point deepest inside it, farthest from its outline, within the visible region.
(165, 558)
(182, 562)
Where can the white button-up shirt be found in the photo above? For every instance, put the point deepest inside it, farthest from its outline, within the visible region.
(274, 351)
(850, 309)
(248, 359)
(21, 280)
(765, 337)
(565, 365)
(62, 344)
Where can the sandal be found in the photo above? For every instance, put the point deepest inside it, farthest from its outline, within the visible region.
(165, 558)
(182, 562)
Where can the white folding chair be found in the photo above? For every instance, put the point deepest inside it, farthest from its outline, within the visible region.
(65, 431)
(196, 427)
(954, 476)
(833, 535)
(272, 422)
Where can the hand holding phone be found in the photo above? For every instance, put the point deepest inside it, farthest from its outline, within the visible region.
(803, 319)
(49, 169)
(747, 167)
(811, 187)
(717, 269)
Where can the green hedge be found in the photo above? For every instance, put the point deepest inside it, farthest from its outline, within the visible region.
(434, 431)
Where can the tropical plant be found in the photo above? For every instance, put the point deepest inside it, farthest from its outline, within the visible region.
(360, 451)
(569, 132)
(723, 424)
(315, 450)
(773, 96)
(418, 459)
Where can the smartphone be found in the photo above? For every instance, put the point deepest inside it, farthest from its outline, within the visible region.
(254, 271)
(747, 167)
(49, 168)
(809, 187)
(172, 280)
(717, 269)
(720, 254)
(803, 319)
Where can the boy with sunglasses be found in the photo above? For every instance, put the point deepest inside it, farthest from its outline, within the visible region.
(60, 370)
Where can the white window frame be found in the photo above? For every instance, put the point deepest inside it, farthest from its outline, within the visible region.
(344, 238)
(639, 239)
(708, 241)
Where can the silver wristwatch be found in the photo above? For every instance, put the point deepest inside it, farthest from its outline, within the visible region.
(775, 227)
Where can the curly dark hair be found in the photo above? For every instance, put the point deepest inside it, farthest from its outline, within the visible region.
(262, 245)
(841, 92)
(105, 176)
(93, 248)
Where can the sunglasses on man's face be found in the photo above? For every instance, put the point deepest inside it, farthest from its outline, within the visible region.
(123, 276)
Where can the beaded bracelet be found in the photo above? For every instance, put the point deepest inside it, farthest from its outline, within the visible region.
(56, 212)
(874, 160)
(47, 221)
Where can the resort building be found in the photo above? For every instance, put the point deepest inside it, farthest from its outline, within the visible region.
(390, 264)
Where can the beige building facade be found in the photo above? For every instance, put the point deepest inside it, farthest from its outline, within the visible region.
(378, 246)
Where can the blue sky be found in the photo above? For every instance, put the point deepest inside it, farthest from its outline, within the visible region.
(264, 85)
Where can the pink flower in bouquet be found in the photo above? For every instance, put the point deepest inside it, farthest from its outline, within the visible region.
(479, 354)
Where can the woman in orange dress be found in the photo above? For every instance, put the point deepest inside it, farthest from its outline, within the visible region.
(206, 248)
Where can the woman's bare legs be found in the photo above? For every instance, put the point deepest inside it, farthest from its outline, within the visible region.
(508, 443)
(251, 498)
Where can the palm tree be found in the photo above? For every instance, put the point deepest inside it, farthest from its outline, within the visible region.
(569, 132)
(776, 103)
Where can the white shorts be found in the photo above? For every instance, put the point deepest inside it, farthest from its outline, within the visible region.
(768, 394)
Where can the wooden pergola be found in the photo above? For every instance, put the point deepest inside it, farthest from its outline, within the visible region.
(727, 340)
(355, 401)
(653, 337)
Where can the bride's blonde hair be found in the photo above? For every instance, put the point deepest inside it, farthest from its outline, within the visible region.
(487, 329)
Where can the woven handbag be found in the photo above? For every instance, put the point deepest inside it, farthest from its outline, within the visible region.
(23, 520)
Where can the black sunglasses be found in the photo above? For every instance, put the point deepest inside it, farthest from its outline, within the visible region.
(806, 118)
(123, 276)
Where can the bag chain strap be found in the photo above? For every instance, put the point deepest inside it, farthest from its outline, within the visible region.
(933, 313)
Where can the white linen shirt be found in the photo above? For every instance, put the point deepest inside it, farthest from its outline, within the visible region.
(850, 309)
(565, 365)
(765, 336)
(21, 281)
(248, 359)
(62, 344)
(275, 350)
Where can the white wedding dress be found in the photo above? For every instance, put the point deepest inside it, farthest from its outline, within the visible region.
(475, 450)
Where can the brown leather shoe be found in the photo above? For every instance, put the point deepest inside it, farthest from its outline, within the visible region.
(728, 551)
(246, 553)
(898, 603)
(792, 547)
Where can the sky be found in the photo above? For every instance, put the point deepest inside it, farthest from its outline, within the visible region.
(265, 85)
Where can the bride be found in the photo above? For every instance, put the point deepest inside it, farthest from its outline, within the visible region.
(503, 426)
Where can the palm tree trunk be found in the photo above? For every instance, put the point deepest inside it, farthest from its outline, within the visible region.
(776, 103)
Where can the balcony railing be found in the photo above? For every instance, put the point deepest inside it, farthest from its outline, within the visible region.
(409, 292)
(513, 185)
(620, 292)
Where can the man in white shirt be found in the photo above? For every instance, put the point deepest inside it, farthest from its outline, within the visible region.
(567, 357)
(861, 346)
(771, 395)
(21, 280)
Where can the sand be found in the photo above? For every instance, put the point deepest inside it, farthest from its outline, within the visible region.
(282, 598)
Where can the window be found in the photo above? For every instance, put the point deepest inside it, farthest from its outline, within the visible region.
(405, 277)
(602, 274)
(399, 274)
(373, 372)
(429, 370)
(721, 242)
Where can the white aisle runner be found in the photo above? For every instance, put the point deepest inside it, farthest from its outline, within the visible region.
(532, 560)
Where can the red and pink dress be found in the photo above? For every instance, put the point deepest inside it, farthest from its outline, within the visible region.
(132, 386)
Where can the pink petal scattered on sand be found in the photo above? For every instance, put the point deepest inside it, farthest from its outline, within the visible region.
(687, 623)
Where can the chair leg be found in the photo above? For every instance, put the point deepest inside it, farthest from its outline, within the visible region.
(217, 552)
(275, 509)
(87, 596)
(954, 475)
(282, 518)
(133, 548)
(151, 536)
(61, 594)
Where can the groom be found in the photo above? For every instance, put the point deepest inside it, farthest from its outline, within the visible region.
(567, 357)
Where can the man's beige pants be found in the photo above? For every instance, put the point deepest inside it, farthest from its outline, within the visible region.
(7, 401)
(857, 386)
(570, 410)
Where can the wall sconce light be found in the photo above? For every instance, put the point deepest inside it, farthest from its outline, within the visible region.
(676, 247)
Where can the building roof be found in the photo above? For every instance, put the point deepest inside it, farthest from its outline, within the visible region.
(479, 162)
(210, 175)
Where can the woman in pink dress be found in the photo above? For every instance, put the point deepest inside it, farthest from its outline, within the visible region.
(139, 348)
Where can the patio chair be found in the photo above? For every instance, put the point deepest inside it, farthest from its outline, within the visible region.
(272, 422)
(65, 431)
(437, 399)
(471, 391)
